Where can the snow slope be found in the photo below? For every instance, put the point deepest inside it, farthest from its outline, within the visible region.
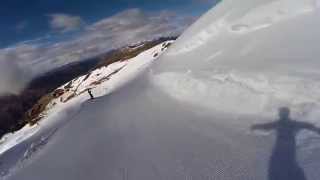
(190, 117)
(101, 82)
(249, 58)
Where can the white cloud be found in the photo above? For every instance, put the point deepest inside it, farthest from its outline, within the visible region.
(130, 26)
(12, 77)
(135, 25)
(65, 22)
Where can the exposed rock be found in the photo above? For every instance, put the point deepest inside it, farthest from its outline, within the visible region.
(57, 93)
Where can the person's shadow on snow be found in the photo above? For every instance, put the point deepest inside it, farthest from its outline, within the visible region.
(283, 164)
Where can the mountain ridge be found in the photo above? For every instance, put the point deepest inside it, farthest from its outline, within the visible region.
(17, 110)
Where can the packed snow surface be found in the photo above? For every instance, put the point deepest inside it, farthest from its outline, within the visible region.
(192, 115)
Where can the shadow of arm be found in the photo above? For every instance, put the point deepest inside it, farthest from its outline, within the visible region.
(265, 126)
(310, 127)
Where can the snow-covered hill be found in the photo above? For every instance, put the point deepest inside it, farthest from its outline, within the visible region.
(70, 96)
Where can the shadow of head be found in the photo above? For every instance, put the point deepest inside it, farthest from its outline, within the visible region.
(284, 114)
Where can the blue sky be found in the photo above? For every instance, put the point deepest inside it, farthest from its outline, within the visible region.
(21, 20)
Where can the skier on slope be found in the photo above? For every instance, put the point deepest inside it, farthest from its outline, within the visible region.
(90, 94)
